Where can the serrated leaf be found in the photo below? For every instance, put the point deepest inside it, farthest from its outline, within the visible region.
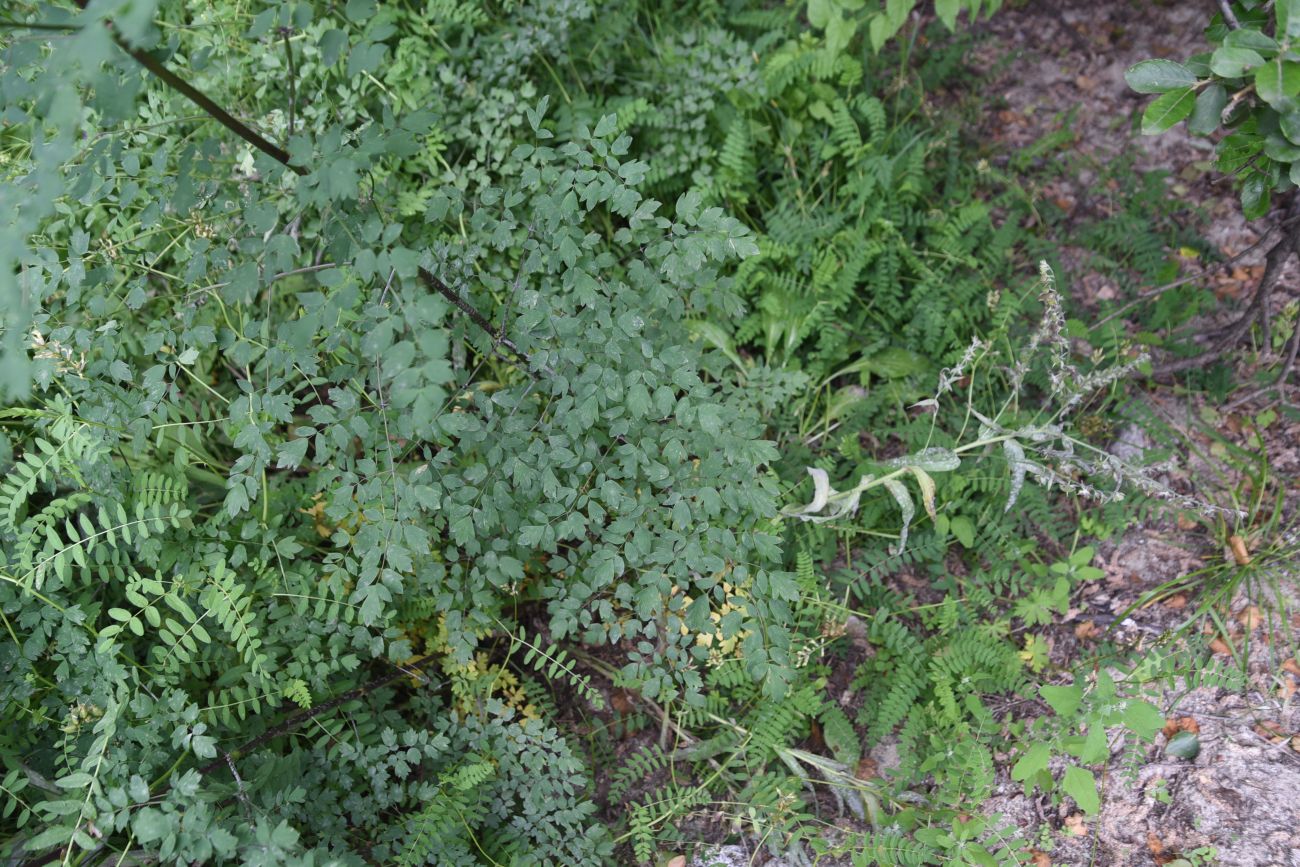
(1034, 761)
(947, 10)
(1143, 718)
(1065, 700)
(1080, 784)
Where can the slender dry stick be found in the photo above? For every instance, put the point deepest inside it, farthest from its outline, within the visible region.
(1191, 278)
(293, 87)
(1274, 262)
(196, 96)
(1228, 15)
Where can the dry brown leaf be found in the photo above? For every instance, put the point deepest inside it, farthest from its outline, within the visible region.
(1157, 848)
(816, 739)
(1086, 631)
(1185, 522)
(1218, 645)
(1292, 666)
(1077, 825)
(1270, 731)
(621, 701)
(1250, 617)
(676, 861)
(1177, 602)
(867, 769)
(1174, 725)
(1039, 858)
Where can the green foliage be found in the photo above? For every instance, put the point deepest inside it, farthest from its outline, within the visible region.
(840, 19)
(380, 371)
(1085, 714)
(1247, 85)
(258, 445)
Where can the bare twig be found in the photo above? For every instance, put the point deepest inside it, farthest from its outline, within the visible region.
(1191, 278)
(1279, 384)
(1227, 337)
(293, 92)
(1228, 15)
(498, 339)
(196, 96)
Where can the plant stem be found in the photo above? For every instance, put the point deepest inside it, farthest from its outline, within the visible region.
(196, 96)
(293, 88)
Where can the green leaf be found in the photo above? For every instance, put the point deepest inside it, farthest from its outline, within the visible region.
(607, 124)
(76, 780)
(1159, 76)
(1143, 718)
(1167, 110)
(1184, 745)
(1230, 62)
(1034, 761)
(1095, 748)
(1080, 784)
(819, 13)
(1207, 115)
(947, 11)
(1278, 148)
(150, 824)
(1277, 82)
(1255, 40)
(964, 529)
(1288, 18)
(1065, 700)
(714, 335)
(1255, 198)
